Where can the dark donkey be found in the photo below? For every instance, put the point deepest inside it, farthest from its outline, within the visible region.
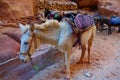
(113, 21)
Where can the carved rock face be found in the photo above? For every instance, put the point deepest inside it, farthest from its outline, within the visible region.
(56, 5)
(8, 48)
(86, 3)
(109, 7)
(15, 8)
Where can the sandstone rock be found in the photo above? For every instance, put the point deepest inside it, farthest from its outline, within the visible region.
(86, 3)
(66, 5)
(109, 7)
(8, 48)
(56, 5)
(14, 33)
(15, 8)
(16, 70)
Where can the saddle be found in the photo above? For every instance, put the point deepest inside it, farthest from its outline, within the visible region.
(115, 20)
(80, 24)
(83, 22)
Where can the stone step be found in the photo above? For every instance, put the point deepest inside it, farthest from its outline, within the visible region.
(16, 70)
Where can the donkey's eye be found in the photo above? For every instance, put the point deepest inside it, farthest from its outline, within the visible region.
(26, 43)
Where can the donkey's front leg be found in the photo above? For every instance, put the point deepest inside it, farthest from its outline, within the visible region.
(118, 29)
(67, 66)
(109, 30)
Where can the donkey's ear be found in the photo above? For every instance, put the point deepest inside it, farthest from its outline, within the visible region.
(32, 27)
(22, 27)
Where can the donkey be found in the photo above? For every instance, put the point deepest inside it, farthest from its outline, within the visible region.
(56, 33)
(113, 21)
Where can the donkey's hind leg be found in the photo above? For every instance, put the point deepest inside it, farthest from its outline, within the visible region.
(82, 55)
(109, 30)
(118, 29)
(90, 41)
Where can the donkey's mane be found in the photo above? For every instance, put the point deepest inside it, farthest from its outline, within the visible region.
(48, 23)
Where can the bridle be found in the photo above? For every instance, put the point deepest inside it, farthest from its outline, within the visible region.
(33, 39)
(30, 45)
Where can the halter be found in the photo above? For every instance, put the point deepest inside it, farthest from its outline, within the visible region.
(30, 45)
(33, 39)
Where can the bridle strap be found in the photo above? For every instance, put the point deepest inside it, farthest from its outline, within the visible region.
(33, 39)
(35, 44)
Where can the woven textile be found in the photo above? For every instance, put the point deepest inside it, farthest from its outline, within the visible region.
(83, 21)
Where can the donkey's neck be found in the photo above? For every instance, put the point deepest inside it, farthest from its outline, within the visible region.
(35, 44)
(47, 37)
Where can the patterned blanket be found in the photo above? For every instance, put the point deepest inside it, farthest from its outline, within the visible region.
(83, 21)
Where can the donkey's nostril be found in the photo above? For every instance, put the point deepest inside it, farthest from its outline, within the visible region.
(22, 60)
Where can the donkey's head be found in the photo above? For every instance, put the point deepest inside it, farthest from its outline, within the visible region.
(26, 42)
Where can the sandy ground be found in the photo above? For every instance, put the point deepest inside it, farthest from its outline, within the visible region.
(105, 62)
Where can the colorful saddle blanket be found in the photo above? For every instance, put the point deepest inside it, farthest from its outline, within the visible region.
(115, 20)
(83, 21)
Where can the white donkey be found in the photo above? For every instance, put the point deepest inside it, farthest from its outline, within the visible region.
(54, 33)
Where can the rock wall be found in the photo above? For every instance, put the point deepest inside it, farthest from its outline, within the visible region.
(57, 5)
(109, 7)
(85, 3)
(9, 43)
(16, 8)
(25, 8)
(88, 4)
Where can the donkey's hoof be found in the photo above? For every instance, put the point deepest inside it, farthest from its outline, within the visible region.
(118, 32)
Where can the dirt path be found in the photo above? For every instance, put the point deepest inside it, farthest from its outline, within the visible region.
(105, 62)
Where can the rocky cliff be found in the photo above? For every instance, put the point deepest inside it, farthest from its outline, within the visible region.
(109, 7)
(15, 8)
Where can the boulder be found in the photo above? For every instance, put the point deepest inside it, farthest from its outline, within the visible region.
(42, 59)
(87, 3)
(67, 5)
(13, 33)
(16, 8)
(8, 48)
(109, 7)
